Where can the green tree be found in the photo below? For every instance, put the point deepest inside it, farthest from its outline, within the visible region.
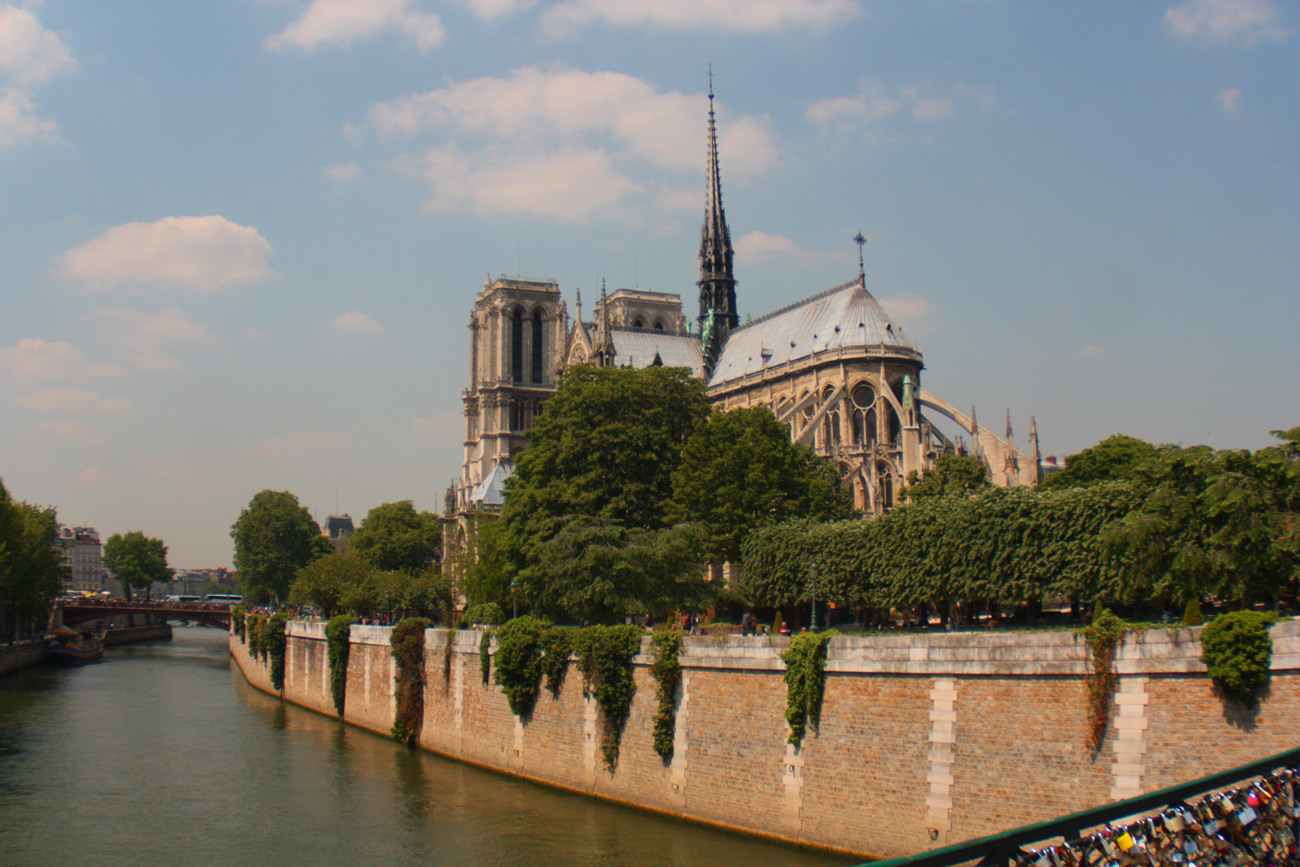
(137, 561)
(274, 538)
(739, 471)
(605, 448)
(952, 474)
(395, 537)
(1116, 457)
(32, 571)
(487, 579)
(326, 580)
(601, 572)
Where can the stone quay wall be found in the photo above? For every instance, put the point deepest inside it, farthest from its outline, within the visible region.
(925, 740)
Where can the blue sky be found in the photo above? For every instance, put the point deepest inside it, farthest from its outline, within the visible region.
(240, 240)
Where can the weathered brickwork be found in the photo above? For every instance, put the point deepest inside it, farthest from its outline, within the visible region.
(924, 740)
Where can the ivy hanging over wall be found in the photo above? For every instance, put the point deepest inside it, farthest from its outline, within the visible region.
(606, 653)
(256, 633)
(338, 646)
(446, 656)
(1104, 637)
(485, 656)
(557, 647)
(276, 643)
(407, 641)
(667, 671)
(1238, 652)
(237, 623)
(519, 662)
(805, 681)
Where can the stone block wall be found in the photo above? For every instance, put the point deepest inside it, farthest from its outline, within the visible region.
(925, 740)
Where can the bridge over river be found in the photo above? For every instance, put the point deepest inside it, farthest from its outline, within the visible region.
(208, 613)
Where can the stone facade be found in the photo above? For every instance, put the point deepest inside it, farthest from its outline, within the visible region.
(924, 740)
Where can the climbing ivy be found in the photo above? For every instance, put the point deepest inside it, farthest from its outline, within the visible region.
(557, 646)
(519, 662)
(407, 641)
(256, 631)
(606, 653)
(237, 616)
(1104, 637)
(485, 655)
(446, 656)
(1238, 652)
(275, 643)
(338, 646)
(667, 671)
(805, 681)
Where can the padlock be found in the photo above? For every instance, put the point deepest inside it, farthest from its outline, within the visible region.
(1246, 816)
(1174, 821)
(1191, 849)
(1124, 841)
(1252, 800)
(1211, 827)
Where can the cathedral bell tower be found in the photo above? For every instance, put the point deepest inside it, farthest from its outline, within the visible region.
(717, 282)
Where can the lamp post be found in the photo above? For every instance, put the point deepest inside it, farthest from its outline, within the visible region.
(514, 600)
(812, 589)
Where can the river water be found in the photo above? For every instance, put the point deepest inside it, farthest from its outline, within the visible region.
(162, 755)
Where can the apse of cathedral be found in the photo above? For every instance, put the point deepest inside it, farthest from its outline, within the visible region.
(833, 368)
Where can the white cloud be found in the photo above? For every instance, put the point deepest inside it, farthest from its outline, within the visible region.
(875, 102)
(73, 430)
(29, 53)
(71, 401)
(1229, 100)
(340, 23)
(146, 339)
(445, 424)
(301, 443)
(18, 123)
(573, 186)
(761, 250)
(33, 358)
(93, 476)
(355, 323)
(914, 313)
(204, 253)
(1244, 21)
(342, 171)
(492, 9)
(566, 106)
(711, 16)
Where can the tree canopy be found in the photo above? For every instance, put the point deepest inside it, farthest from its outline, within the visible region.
(952, 474)
(1116, 457)
(605, 448)
(739, 471)
(274, 537)
(395, 537)
(31, 570)
(137, 561)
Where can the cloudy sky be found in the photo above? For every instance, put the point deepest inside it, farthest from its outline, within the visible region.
(239, 240)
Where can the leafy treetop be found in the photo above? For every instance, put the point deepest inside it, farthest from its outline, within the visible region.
(137, 561)
(395, 537)
(274, 537)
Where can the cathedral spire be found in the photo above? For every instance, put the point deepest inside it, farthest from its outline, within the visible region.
(717, 283)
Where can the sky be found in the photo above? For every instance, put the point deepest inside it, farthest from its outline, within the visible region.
(240, 240)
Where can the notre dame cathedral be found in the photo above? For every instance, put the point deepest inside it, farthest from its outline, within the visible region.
(833, 368)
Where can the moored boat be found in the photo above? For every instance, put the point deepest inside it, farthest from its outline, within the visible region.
(72, 647)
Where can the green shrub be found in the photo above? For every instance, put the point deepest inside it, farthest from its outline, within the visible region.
(237, 623)
(606, 653)
(519, 662)
(407, 641)
(1192, 615)
(485, 656)
(1237, 650)
(557, 646)
(338, 646)
(805, 681)
(276, 642)
(485, 612)
(667, 671)
(256, 635)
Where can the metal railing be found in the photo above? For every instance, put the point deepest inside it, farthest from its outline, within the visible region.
(1000, 849)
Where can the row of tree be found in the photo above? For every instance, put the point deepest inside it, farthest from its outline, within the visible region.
(389, 569)
(1131, 522)
(31, 569)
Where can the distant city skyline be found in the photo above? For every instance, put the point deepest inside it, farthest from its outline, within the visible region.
(243, 238)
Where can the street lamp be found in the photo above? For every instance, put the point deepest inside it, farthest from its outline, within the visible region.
(514, 600)
(812, 590)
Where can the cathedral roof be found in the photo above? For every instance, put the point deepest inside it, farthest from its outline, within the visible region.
(492, 490)
(846, 316)
(639, 348)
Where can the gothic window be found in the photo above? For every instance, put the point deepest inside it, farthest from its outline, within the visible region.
(517, 346)
(638, 323)
(537, 346)
(886, 485)
(659, 325)
(895, 427)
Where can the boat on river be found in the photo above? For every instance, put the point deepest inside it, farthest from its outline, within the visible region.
(66, 646)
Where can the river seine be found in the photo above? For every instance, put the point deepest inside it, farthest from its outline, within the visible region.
(161, 754)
